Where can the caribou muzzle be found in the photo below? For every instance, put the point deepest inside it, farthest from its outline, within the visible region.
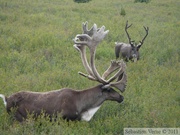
(121, 99)
(134, 57)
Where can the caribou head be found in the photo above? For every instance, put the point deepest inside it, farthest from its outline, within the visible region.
(129, 51)
(74, 104)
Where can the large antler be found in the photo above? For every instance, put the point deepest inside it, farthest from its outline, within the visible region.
(82, 50)
(91, 38)
(126, 27)
(142, 41)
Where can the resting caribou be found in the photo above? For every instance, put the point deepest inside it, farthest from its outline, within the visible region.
(74, 104)
(129, 51)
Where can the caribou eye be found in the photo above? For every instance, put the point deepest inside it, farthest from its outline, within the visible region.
(108, 90)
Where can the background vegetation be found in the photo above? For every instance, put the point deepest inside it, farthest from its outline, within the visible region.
(82, 1)
(37, 54)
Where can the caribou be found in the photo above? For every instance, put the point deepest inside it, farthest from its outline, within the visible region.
(129, 51)
(69, 103)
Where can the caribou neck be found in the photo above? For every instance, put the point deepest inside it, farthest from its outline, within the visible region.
(90, 98)
(89, 101)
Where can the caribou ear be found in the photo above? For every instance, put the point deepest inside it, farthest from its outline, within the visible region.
(106, 88)
(138, 47)
(132, 43)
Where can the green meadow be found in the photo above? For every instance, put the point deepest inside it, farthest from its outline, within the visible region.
(37, 54)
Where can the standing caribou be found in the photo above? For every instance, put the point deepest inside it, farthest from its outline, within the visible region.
(74, 104)
(129, 51)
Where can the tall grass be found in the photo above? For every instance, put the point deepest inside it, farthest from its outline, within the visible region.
(37, 54)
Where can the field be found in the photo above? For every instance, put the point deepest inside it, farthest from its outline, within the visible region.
(37, 54)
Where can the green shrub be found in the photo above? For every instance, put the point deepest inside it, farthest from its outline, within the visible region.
(82, 1)
(123, 12)
(147, 1)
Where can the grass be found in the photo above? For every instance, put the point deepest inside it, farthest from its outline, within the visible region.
(37, 54)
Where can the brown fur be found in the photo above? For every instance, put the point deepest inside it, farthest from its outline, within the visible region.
(70, 103)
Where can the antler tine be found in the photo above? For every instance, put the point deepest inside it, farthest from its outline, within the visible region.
(87, 76)
(99, 33)
(82, 50)
(85, 39)
(114, 66)
(147, 30)
(85, 29)
(126, 27)
(82, 39)
(122, 79)
(121, 70)
(121, 85)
